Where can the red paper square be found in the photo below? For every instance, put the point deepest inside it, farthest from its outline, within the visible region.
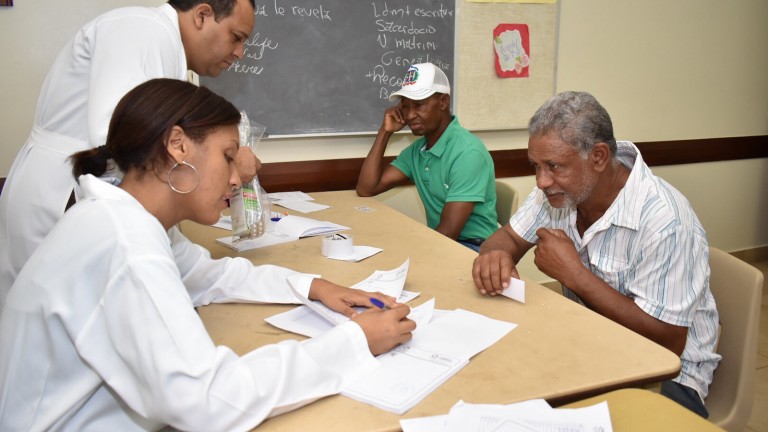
(512, 50)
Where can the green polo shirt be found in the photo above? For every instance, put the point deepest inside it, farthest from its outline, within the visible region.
(458, 168)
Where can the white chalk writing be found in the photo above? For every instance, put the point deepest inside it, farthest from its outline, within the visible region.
(406, 35)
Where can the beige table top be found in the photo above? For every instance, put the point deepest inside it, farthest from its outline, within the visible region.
(560, 351)
(637, 410)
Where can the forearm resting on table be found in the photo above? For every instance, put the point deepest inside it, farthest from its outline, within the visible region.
(506, 240)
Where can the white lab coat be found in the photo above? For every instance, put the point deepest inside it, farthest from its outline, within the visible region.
(99, 332)
(109, 56)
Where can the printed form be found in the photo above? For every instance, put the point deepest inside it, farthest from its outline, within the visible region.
(442, 344)
(532, 415)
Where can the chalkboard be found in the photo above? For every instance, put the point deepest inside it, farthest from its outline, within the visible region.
(328, 66)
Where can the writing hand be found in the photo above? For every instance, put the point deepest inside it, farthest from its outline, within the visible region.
(342, 299)
(386, 328)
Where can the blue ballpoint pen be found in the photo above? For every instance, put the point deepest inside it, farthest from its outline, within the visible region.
(378, 303)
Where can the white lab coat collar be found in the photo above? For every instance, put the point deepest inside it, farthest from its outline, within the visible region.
(91, 187)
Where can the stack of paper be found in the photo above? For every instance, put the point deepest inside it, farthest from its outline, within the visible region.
(438, 351)
(288, 228)
(532, 415)
(410, 372)
(406, 376)
(442, 344)
(297, 201)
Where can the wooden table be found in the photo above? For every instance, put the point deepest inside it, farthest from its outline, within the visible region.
(560, 351)
(637, 410)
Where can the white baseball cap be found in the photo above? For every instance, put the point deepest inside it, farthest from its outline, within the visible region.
(422, 81)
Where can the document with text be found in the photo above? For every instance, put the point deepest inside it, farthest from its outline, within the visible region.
(442, 344)
(288, 228)
(437, 351)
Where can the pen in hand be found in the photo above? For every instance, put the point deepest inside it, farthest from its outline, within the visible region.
(378, 303)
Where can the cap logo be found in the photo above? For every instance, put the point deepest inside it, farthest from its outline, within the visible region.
(411, 76)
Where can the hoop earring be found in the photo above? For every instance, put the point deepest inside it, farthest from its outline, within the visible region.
(170, 173)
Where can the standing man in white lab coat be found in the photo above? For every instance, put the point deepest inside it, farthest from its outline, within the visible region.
(108, 56)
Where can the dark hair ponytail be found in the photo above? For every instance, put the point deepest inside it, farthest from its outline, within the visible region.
(92, 161)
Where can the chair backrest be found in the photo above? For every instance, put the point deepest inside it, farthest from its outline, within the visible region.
(737, 288)
(406, 200)
(506, 202)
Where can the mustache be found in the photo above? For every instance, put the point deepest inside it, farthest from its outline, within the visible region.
(549, 192)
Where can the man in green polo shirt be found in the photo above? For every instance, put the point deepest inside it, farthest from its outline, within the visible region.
(451, 168)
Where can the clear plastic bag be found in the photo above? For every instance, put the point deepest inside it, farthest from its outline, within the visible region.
(251, 207)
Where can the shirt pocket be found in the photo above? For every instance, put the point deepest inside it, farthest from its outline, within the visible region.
(614, 270)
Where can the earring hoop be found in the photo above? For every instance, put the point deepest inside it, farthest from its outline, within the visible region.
(170, 174)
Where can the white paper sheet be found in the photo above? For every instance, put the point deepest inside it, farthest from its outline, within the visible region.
(461, 333)
(299, 226)
(439, 423)
(438, 351)
(407, 374)
(288, 228)
(406, 296)
(295, 195)
(301, 205)
(515, 290)
(527, 417)
(359, 253)
(310, 322)
(268, 239)
(389, 282)
(533, 415)
(436, 423)
(301, 320)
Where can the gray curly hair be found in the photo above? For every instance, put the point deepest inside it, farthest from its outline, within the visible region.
(577, 118)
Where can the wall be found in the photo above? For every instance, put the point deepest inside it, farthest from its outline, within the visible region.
(681, 69)
(665, 70)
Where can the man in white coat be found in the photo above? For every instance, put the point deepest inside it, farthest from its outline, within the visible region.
(108, 56)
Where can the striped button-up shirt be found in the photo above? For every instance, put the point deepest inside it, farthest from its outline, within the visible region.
(650, 246)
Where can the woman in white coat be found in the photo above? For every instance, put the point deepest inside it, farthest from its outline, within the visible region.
(99, 331)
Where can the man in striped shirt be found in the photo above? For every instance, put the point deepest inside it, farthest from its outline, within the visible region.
(620, 240)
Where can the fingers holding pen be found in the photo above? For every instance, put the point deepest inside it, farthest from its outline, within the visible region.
(386, 328)
(381, 301)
